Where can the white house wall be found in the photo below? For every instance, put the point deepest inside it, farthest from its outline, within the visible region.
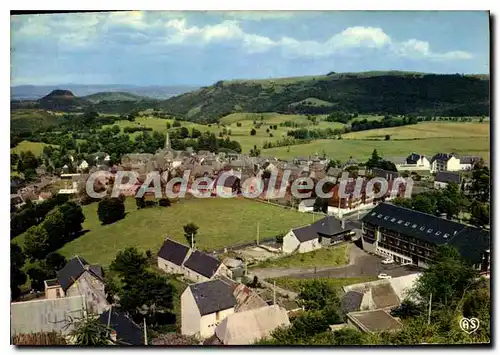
(209, 322)
(310, 245)
(290, 243)
(190, 315)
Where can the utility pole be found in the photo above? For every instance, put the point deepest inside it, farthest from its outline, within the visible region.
(274, 292)
(192, 241)
(430, 307)
(145, 333)
(258, 224)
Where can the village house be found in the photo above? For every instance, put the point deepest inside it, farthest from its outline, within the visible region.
(124, 330)
(467, 162)
(83, 166)
(171, 256)
(373, 321)
(176, 258)
(306, 205)
(204, 305)
(79, 278)
(445, 162)
(201, 267)
(443, 178)
(46, 315)
(324, 232)
(245, 328)
(414, 162)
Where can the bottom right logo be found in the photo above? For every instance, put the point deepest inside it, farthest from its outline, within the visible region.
(469, 325)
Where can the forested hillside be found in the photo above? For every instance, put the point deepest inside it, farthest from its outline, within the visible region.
(381, 93)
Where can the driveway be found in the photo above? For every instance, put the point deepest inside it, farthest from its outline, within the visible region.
(360, 264)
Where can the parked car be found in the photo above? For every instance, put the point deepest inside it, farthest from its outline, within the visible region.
(388, 261)
(384, 276)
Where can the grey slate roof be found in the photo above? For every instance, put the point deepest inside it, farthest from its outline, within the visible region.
(471, 242)
(202, 263)
(305, 234)
(308, 202)
(71, 272)
(386, 174)
(212, 296)
(127, 332)
(443, 157)
(469, 159)
(330, 226)
(374, 321)
(173, 252)
(447, 177)
(413, 158)
(350, 301)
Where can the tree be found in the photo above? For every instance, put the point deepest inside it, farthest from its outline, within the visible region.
(423, 203)
(149, 293)
(55, 227)
(111, 210)
(73, 217)
(183, 132)
(387, 137)
(316, 295)
(480, 214)
(320, 205)
(446, 205)
(190, 231)
(164, 202)
(195, 133)
(89, 331)
(129, 262)
(140, 202)
(254, 152)
(253, 132)
(36, 243)
(38, 273)
(480, 187)
(176, 124)
(17, 276)
(403, 202)
(447, 278)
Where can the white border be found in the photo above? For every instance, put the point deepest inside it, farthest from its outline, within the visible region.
(193, 5)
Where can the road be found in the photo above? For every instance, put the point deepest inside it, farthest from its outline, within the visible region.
(360, 264)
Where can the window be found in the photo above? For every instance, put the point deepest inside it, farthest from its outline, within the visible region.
(393, 219)
(422, 228)
(400, 221)
(374, 213)
(407, 224)
(446, 235)
(438, 233)
(414, 226)
(429, 230)
(386, 218)
(379, 215)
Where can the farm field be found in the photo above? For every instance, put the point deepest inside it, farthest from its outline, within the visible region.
(222, 222)
(35, 147)
(424, 138)
(337, 255)
(426, 130)
(294, 284)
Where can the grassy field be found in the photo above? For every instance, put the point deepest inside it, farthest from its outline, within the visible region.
(294, 284)
(338, 255)
(427, 130)
(35, 147)
(222, 222)
(424, 138)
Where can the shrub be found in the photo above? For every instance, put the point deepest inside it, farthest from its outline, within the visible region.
(164, 202)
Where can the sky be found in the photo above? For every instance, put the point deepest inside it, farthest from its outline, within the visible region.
(201, 48)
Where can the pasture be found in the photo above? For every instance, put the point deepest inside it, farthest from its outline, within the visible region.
(222, 222)
(468, 138)
(35, 147)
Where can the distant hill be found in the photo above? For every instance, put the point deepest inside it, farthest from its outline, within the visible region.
(392, 92)
(62, 100)
(112, 96)
(34, 92)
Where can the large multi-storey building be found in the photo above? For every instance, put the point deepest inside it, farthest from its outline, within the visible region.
(411, 237)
